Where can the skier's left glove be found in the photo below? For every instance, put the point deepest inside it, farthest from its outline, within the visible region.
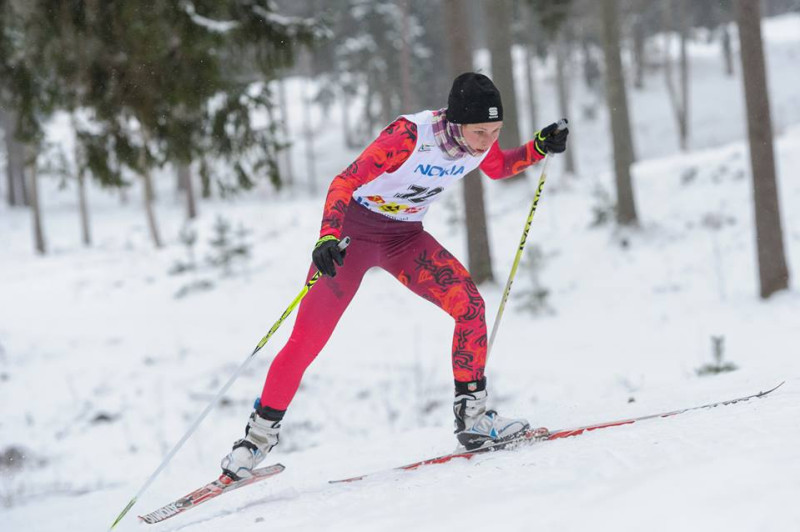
(326, 252)
(551, 139)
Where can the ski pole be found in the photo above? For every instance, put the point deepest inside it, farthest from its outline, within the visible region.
(311, 282)
(561, 125)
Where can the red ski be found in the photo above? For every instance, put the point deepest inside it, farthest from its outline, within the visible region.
(542, 434)
(222, 485)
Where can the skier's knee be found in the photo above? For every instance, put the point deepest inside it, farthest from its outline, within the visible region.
(470, 306)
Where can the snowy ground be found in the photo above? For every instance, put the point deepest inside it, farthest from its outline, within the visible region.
(102, 368)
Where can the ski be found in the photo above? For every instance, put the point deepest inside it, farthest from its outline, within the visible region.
(541, 434)
(213, 489)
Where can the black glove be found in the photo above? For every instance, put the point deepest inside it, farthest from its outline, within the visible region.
(326, 252)
(551, 139)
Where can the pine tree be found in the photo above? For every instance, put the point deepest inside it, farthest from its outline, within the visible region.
(169, 82)
(480, 257)
(772, 269)
(618, 110)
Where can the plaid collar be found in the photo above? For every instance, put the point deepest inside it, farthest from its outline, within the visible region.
(449, 136)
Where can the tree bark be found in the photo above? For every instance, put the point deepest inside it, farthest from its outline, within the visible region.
(683, 21)
(284, 123)
(618, 109)
(460, 60)
(36, 209)
(17, 189)
(10, 184)
(562, 53)
(772, 269)
(83, 204)
(185, 177)
(308, 135)
(530, 74)
(498, 15)
(530, 65)
(679, 101)
(405, 62)
(638, 52)
(727, 50)
(149, 197)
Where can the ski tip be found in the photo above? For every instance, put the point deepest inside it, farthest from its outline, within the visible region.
(772, 389)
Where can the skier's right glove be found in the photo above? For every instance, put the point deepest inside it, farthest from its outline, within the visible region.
(326, 252)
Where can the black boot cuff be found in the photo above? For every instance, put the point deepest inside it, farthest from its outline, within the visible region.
(269, 413)
(471, 386)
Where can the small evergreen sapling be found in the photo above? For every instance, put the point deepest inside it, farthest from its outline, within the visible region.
(604, 210)
(187, 237)
(718, 366)
(535, 297)
(225, 250)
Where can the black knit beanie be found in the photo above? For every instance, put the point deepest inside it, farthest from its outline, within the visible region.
(473, 100)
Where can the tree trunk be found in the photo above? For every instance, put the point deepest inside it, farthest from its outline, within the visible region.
(185, 177)
(591, 70)
(83, 204)
(308, 135)
(405, 62)
(529, 43)
(369, 120)
(36, 209)
(284, 122)
(679, 101)
(149, 196)
(17, 191)
(639, 58)
(180, 186)
(683, 123)
(460, 60)
(727, 50)
(10, 184)
(773, 272)
(385, 92)
(562, 54)
(498, 16)
(530, 74)
(349, 142)
(618, 109)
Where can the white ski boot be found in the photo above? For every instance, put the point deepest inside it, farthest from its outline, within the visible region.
(476, 426)
(261, 435)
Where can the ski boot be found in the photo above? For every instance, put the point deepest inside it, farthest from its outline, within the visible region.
(261, 435)
(476, 426)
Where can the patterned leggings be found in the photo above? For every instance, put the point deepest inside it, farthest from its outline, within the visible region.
(417, 260)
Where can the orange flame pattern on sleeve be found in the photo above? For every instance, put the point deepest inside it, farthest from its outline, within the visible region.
(386, 154)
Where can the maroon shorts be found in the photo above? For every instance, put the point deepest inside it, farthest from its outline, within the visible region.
(417, 260)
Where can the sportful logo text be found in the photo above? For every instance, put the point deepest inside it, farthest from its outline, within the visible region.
(437, 171)
(493, 112)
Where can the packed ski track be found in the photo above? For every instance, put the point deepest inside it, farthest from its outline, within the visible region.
(102, 368)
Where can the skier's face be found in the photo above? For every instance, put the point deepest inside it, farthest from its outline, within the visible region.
(480, 137)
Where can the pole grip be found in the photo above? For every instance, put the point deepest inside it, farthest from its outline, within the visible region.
(562, 124)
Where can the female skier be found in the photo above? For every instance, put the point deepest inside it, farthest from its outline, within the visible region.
(379, 202)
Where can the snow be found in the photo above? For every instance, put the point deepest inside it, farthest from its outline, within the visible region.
(102, 369)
